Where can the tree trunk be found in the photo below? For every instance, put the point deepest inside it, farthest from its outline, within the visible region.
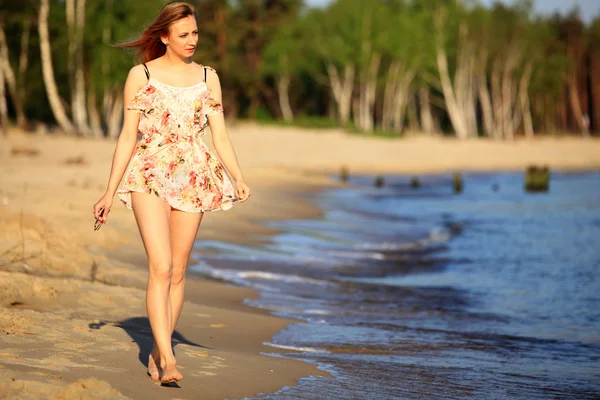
(457, 117)
(71, 45)
(8, 75)
(397, 86)
(411, 113)
(427, 123)
(594, 72)
(576, 105)
(16, 85)
(388, 96)
(78, 105)
(21, 78)
(342, 90)
(3, 107)
(367, 90)
(95, 121)
(455, 96)
(283, 86)
(48, 72)
(114, 117)
(486, 104)
(508, 126)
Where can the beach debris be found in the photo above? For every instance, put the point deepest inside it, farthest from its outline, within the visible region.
(93, 271)
(415, 183)
(457, 183)
(78, 160)
(344, 174)
(537, 179)
(24, 151)
(379, 181)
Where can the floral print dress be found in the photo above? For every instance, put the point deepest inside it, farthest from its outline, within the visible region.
(171, 160)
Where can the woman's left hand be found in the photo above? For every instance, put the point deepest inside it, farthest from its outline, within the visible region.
(242, 191)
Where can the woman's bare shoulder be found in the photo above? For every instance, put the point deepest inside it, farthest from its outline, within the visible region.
(137, 75)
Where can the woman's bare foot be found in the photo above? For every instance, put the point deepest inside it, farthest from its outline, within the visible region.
(153, 369)
(170, 373)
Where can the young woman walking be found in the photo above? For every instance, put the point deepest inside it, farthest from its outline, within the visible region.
(170, 177)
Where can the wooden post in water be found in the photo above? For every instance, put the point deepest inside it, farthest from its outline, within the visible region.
(344, 174)
(415, 183)
(379, 181)
(537, 179)
(457, 183)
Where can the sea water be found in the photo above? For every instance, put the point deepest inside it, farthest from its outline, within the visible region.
(422, 293)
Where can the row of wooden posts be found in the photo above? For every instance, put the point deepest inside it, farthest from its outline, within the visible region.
(537, 179)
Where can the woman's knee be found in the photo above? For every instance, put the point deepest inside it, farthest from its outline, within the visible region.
(178, 276)
(161, 270)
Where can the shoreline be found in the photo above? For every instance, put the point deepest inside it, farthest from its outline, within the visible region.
(76, 297)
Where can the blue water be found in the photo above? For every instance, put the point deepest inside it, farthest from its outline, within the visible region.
(420, 293)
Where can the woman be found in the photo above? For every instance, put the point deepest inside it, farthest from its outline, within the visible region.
(170, 177)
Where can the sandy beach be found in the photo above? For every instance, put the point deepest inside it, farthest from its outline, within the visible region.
(72, 302)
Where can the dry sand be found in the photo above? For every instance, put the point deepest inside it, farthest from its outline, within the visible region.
(72, 313)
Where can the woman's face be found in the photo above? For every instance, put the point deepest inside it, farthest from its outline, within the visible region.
(183, 36)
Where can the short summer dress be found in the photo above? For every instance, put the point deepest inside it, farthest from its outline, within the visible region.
(171, 160)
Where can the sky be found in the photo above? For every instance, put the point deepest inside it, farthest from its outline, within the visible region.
(589, 8)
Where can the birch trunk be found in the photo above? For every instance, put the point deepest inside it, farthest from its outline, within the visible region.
(114, 117)
(16, 82)
(507, 104)
(283, 86)
(8, 75)
(576, 105)
(527, 120)
(3, 107)
(342, 90)
(486, 104)
(456, 96)
(388, 96)
(497, 105)
(78, 105)
(364, 119)
(95, 121)
(427, 123)
(397, 87)
(23, 64)
(411, 113)
(48, 71)
(107, 97)
(457, 117)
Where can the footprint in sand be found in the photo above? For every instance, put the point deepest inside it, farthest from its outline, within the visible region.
(205, 373)
(200, 354)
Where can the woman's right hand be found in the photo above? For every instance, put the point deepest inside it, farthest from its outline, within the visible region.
(105, 203)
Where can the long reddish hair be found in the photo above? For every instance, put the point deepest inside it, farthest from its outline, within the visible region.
(149, 45)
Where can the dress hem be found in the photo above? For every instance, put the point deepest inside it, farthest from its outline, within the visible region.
(125, 197)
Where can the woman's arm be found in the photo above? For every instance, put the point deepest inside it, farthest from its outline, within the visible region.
(221, 140)
(128, 137)
(125, 144)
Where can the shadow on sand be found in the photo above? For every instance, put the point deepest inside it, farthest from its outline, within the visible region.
(138, 328)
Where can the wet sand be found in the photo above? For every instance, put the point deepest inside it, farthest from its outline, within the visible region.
(72, 301)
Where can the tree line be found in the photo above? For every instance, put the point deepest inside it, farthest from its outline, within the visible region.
(382, 65)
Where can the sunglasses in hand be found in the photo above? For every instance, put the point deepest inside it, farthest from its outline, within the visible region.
(98, 224)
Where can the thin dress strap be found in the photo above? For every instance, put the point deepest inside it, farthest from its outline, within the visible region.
(204, 74)
(146, 71)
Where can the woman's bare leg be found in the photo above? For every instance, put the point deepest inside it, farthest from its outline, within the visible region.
(184, 227)
(153, 218)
